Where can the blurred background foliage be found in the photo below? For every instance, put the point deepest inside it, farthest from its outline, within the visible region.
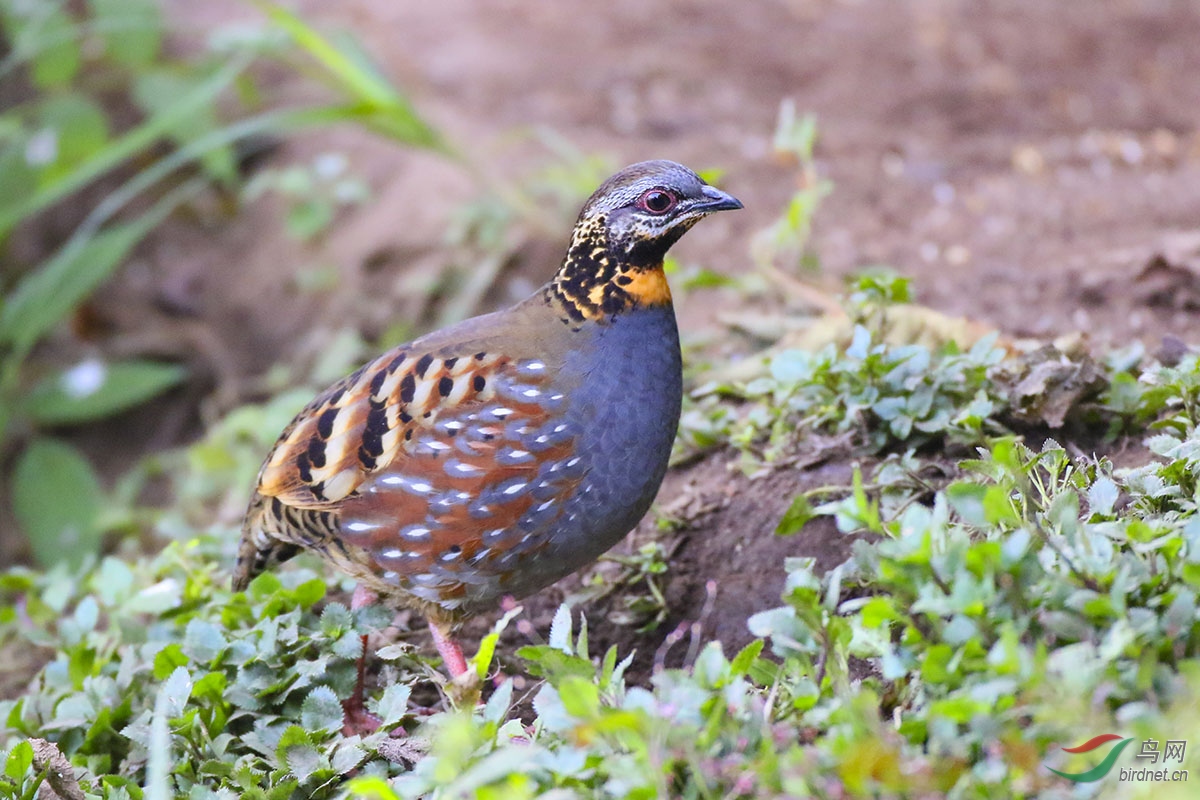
(101, 115)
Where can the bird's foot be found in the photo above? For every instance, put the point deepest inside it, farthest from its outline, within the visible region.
(463, 690)
(356, 720)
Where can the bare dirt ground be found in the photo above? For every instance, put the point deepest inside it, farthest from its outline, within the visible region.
(1023, 161)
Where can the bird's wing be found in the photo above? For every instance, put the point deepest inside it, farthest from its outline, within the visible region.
(467, 499)
(433, 462)
(367, 421)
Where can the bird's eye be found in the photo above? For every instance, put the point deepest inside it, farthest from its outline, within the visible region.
(657, 201)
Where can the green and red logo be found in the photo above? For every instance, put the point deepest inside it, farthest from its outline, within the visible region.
(1100, 770)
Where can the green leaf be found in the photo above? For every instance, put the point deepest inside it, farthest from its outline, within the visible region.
(792, 366)
(297, 752)
(336, 620)
(310, 592)
(265, 585)
(711, 668)
(347, 756)
(499, 704)
(87, 614)
(860, 344)
(877, 611)
(203, 640)
(957, 708)
(167, 660)
(482, 660)
(132, 30)
(54, 46)
(796, 517)
(175, 692)
(935, 667)
(113, 581)
(745, 658)
(155, 599)
(57, 501)
(19, 760)
(371, 788)
(545, 661)
(349, 645)
(169, 704)
(1102, 496)
(998, 506)
(210, 688)
(393, 704)
(579, 696)
(58, 285)
(788, 633)
(560, 629)
(321, 711)
(94, 390)
(968, 500)
(73, 128)
(708, 279)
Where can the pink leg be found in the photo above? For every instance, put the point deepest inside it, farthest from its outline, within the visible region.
(362, 597)
(448, 649)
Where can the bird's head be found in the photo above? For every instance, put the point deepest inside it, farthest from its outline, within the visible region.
(646, 207)
(623, 233)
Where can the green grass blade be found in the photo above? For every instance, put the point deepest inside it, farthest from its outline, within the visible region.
(55, 287)
(359, 82)
(373, 100)
(271, 122)
(123, 147)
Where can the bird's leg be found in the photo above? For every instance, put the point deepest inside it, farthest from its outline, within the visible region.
(448, 649)
(463, 689)
(356, 717)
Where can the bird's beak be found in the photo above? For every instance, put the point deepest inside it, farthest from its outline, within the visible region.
(716, 200)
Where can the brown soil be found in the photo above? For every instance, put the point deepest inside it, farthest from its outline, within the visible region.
(1032, 165)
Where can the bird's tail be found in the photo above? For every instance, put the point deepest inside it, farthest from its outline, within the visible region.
(260, 549)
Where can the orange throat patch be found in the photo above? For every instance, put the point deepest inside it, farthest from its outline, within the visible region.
(640, 287)
(648, 287)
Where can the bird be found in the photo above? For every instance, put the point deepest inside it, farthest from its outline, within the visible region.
(493, 457)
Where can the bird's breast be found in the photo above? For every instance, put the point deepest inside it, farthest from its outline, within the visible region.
(626, 409)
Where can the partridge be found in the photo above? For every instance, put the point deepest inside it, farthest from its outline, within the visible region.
(496, 456)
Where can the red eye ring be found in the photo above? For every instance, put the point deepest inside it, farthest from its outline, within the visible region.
(657, 201)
